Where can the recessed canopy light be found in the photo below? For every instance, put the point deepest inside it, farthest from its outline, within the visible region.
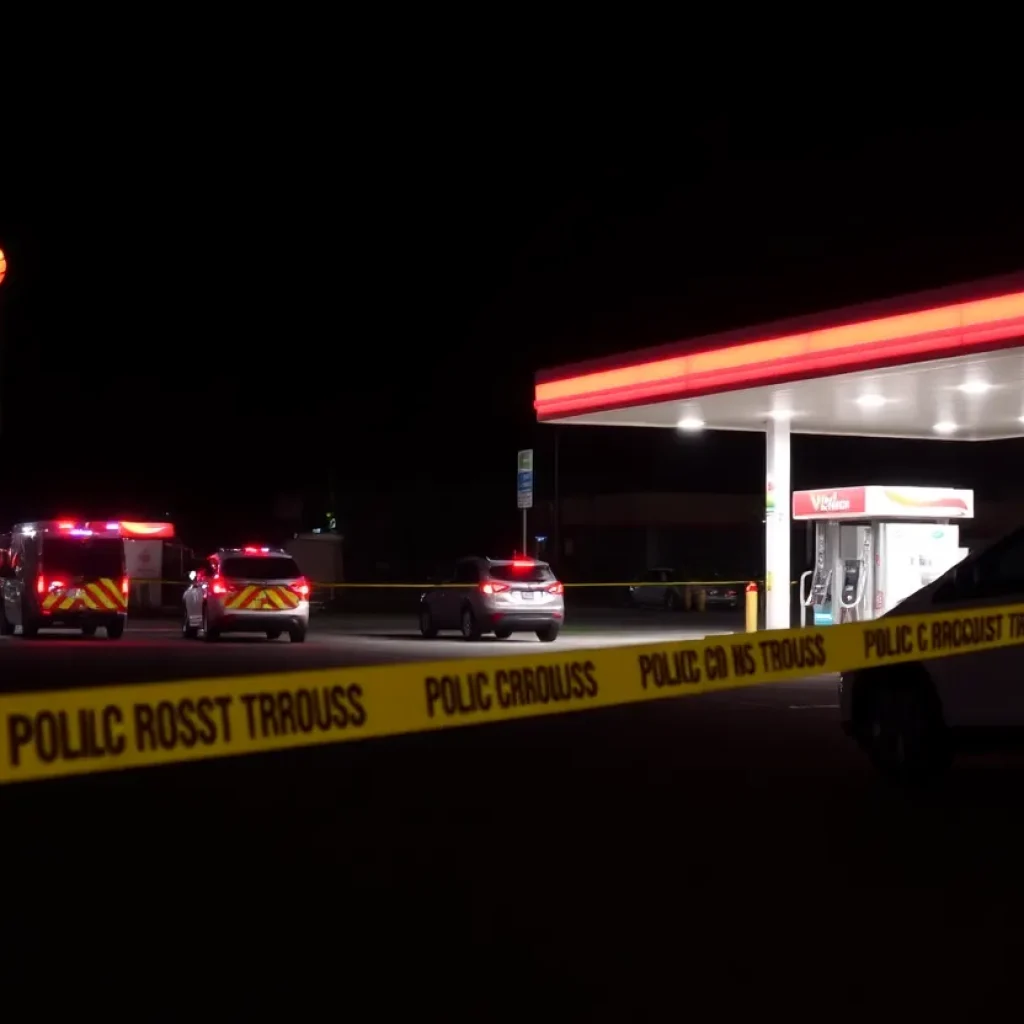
(691, 423)
(781, 414)
(871, 401)
(1021, 418)
(976, 387)
(944, 427)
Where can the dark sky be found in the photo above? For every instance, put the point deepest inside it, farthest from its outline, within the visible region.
(202, 337)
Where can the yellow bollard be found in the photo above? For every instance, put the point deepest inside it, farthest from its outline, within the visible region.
(687, 598)
(751, 607)
(702, 599)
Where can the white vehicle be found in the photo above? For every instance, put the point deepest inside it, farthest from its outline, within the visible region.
(486, 595)
(913, 718)
(247, 590)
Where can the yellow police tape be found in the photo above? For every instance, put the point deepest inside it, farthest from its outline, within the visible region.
(75, 732)
(435, 586)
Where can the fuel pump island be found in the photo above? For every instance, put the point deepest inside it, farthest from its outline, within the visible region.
(876, 545)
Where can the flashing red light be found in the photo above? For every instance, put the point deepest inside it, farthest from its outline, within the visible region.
(42, 586)
(219, 587)
(301, 587)
(494, 588)
(65, 526)
(556, 588)
(124, 585)
(251, 550)
(522, 563)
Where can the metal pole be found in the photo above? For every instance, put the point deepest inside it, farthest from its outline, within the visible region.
(557, 524)
(525, 551)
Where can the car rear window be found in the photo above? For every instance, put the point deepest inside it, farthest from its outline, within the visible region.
(509, 572)
(269, 567)
(90, 557)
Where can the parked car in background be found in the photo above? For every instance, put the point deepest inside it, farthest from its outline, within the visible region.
(668, 588)
(724, 596)
(658, 588)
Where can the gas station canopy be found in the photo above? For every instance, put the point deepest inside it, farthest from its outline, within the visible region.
(941, 365)
(934, 365)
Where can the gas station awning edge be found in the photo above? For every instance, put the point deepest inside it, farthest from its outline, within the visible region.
(919, 347)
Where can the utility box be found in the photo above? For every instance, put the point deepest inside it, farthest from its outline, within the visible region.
(320, 558)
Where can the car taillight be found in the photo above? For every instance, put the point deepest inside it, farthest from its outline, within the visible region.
(124, 585)
(494, 588)
(556, 588)
(301, 587)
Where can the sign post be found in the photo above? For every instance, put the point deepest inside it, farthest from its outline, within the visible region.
(524, 488)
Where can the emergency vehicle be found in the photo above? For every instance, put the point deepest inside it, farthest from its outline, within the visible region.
(255, 589)
(64, 574)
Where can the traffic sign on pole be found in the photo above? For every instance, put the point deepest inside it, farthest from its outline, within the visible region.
(524, 479)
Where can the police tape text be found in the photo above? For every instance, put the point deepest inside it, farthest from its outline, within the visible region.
(478, 691)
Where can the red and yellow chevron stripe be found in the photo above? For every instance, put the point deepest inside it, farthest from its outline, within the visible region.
(256, 598)
(102, 595)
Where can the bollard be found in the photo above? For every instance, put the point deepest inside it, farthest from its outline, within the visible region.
(687, 599)
(751, 607)
(702, 599)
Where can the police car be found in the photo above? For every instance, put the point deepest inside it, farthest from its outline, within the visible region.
(64, 574)
(255, 589)
(912, 718)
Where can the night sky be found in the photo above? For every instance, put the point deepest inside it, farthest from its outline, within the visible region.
(233, 339)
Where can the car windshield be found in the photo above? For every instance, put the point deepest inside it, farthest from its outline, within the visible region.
(515, 572)
(266, 567)
(90, 557)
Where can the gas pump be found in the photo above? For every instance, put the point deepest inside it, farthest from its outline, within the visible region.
(816, 598)
(856, 572)
(874, 546)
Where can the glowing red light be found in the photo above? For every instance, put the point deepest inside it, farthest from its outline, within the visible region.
(494, 588)
(908, 337)
(150, 531)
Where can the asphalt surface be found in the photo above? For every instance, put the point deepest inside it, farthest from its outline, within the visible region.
(155, 650)
(701, 857)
